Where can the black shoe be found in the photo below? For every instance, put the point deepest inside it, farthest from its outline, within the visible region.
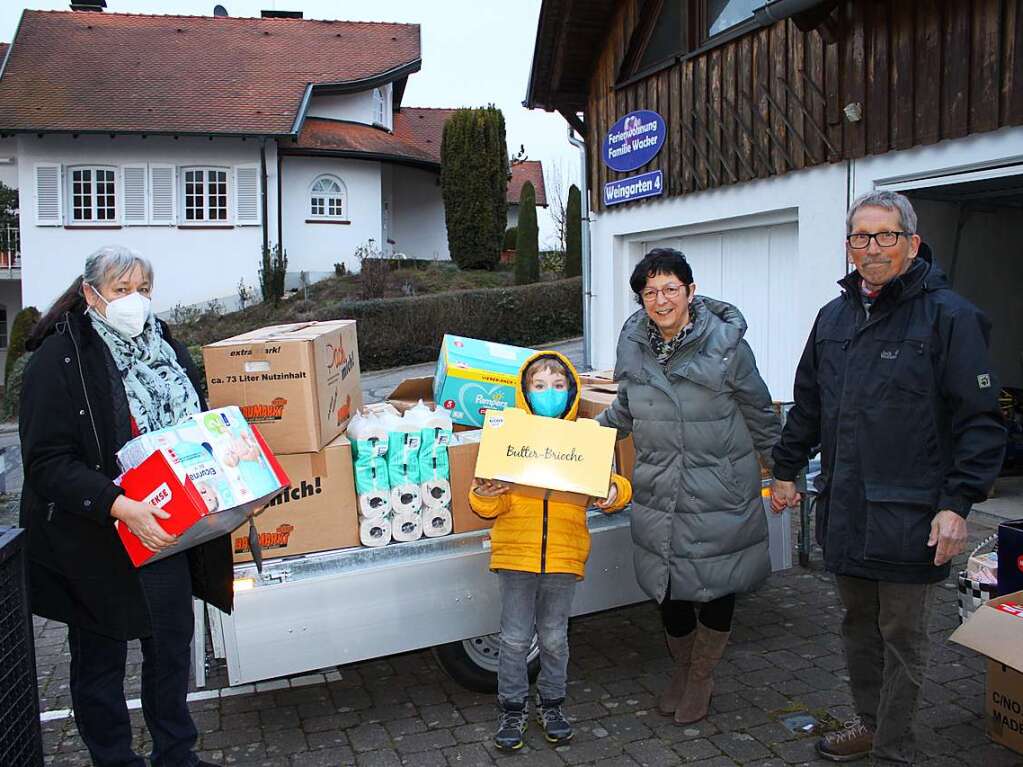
(511, 727)
(556, 727)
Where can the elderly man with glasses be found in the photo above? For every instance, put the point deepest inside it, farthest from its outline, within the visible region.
(895, 387)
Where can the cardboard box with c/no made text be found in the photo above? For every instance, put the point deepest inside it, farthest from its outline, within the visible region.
(298, 382)
(996, 630)
(317, 513)
(548, 453)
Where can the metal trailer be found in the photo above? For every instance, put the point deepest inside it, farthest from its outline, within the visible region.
(323, 610)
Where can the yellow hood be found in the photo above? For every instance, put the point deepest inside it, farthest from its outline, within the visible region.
(522, 402)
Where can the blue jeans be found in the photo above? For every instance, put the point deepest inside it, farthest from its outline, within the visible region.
(97, 677)
(542, 602)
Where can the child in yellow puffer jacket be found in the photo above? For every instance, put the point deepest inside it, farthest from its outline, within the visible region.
(539, 547)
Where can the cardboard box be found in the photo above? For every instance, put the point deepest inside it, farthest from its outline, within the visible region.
(1003, 705)
(317, 513)
(298, 382)
(474, 376)
(462, 454)
(996, 630)
(570, 456)
(194, 516)
(593, 401)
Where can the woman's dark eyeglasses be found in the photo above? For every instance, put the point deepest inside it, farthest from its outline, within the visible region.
(883, 239)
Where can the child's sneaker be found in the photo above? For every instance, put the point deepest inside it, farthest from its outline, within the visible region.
(556, 727)
(511, 726)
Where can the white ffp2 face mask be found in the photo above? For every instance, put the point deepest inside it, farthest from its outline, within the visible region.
(128, 314)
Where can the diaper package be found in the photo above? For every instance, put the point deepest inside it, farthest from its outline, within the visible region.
(217, 450)
(210, 472)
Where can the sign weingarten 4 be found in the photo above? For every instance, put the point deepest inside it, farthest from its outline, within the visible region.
(634, 140)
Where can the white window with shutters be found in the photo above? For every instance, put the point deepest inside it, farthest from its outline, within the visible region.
(204, 196)
(48, 197)
(92, 195)
(134, 196)
(246, 195)
(162, 195)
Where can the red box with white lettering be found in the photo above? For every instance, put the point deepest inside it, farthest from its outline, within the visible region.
(155, 481)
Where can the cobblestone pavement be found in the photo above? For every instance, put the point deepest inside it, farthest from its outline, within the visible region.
(785, 657)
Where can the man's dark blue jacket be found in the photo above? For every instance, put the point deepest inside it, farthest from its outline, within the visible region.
(904, 406)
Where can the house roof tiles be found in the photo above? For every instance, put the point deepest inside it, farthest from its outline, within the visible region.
(105, 72)
(416, 137)
(521, 172)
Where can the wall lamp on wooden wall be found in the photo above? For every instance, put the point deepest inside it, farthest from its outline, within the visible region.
(853, 112)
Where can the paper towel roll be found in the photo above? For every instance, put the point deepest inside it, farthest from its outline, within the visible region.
(407, 526)
(374, 504)
(375, 531)
(437, 522)
(406, 498)
(436, 493)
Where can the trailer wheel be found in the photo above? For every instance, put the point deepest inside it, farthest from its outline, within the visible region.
(473, 662)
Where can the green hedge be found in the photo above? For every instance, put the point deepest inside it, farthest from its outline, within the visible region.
(405, 331)
(12, 391)
(21, 328)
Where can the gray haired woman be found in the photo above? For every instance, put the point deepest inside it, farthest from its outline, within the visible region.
(105, 369)
(690, 394)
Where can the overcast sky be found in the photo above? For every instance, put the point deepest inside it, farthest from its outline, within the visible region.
(474, 52)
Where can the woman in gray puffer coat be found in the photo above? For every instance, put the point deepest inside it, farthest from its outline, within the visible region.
(690, 394)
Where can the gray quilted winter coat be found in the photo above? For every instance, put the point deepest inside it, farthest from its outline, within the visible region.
(697, 513)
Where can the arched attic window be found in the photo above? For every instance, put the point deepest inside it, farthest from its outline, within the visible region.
(328, 199)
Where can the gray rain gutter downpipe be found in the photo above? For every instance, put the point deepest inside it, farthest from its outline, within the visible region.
(580, 144)
(778, 10)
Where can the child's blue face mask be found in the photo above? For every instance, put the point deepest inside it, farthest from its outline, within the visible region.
(548, 402)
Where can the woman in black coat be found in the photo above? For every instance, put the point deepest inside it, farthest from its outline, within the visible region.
(103, 370)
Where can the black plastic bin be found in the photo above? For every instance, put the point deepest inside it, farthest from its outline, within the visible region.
(21, 742)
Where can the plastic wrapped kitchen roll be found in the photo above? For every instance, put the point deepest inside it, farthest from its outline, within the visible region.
(436, 522)
(369, 437)
(403, 441)
(434, 468)
(375, 531)
(406, 526)
(436, 493)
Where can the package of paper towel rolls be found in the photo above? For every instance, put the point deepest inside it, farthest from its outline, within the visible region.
(402, 473)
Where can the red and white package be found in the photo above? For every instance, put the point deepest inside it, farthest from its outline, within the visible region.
(195, 517)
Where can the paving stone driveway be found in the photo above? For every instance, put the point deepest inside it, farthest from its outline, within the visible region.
(404, 710)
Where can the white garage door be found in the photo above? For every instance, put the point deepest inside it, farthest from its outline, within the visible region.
(755, 269)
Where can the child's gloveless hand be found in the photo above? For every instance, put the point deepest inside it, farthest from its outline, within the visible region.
(489, 488)
(606, 503)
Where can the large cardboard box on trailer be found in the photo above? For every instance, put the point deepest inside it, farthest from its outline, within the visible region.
(299, 382)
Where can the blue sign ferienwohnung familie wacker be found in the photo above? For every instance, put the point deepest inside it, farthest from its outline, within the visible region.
(634, 140)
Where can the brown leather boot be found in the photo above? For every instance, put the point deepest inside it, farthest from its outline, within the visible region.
(681, 649)
(708, 648)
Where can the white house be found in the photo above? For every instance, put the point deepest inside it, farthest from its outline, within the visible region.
(199, 141)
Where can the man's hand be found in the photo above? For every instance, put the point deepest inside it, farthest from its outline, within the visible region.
(784, 495)
(141, 520)
(488, 488)
(948, 533)
(606, 503)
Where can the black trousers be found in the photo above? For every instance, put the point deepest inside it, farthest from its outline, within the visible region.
(97, 677)
(679, 616)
